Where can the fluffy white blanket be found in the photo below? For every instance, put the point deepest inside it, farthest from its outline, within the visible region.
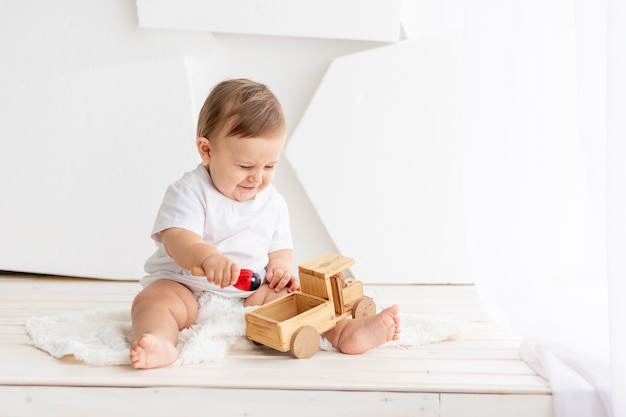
(102, 336)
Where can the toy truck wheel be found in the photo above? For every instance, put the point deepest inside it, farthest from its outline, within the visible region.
(305, 342)
(364, 306)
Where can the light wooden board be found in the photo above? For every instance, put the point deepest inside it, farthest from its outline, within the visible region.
(190, 402)
(480, 375)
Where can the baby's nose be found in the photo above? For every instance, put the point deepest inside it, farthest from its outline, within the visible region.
(256, 177)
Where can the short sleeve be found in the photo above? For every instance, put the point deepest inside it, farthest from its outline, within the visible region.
(182, 207)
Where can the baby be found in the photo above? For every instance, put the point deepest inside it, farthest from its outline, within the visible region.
(223, 216)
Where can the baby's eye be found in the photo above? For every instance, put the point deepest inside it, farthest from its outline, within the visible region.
(244, 167)
(270, 166)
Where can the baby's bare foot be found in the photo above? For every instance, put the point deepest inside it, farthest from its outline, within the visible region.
(363, 334)
(150, 351)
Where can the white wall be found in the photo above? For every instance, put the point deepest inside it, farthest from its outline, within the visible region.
(97, 116)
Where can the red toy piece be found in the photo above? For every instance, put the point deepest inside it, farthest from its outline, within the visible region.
(248, 280)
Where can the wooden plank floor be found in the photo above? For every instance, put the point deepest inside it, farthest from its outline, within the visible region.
(481, 375)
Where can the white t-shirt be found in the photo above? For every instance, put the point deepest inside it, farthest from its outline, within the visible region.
(244, 231)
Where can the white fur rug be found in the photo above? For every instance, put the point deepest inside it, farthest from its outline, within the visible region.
(102, 336)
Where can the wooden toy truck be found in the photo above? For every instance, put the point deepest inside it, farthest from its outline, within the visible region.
(294, 322)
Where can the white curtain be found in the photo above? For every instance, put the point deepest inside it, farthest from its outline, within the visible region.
(544, 187)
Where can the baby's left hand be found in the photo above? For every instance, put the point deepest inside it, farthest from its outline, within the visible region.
(279, 277)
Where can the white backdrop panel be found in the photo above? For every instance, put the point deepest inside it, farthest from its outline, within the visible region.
(86, 156)
(378, 154)
(372, 20)
(425, 18)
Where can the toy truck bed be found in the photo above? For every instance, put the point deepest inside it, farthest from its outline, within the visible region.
(293, 322)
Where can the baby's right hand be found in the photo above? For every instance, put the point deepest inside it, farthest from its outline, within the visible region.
(220, 270)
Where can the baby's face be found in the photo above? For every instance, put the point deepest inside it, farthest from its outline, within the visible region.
(243, 167)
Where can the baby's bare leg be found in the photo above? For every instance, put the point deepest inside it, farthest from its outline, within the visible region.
(159, 311)
(356, 336)
(264, 295)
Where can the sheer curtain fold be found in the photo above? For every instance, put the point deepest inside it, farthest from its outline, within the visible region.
(537, 154)
(616, 179)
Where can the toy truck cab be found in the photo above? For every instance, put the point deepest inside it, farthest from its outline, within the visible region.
(295, 321)
(324, 277)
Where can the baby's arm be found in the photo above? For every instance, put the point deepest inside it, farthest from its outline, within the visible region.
(189, 251)
(278, 271)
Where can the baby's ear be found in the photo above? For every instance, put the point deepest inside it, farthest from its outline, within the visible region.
(204, 148)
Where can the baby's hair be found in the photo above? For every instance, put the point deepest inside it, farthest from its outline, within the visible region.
(240, 108)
